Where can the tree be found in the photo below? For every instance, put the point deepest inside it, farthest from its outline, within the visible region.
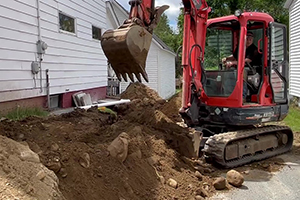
(227, 7)
(168, 36)
(165, 33)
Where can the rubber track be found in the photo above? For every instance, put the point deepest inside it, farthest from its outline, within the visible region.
(215, 146)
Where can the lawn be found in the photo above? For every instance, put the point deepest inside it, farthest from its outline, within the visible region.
(21, 113)
(293, 118)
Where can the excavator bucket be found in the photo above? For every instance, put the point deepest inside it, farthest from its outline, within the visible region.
(126, 49)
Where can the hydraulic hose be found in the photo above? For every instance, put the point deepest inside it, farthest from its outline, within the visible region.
(190, 62)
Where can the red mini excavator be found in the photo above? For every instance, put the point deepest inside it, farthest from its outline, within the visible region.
(229, 105)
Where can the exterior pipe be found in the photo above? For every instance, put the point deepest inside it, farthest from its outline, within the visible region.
(106, 104)
(39, 19)
(48, 88)
(39, 39)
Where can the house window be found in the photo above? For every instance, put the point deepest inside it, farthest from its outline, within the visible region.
(96, 33)
(66, 23)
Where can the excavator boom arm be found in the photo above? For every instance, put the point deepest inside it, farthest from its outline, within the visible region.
(194, 35)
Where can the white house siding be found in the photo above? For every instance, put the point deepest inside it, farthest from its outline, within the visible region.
(166, 81)
(151, 70)
(294, 52)
(75, 62)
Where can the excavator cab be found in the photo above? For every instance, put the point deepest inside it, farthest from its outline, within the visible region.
(222, 42)
(229, 102)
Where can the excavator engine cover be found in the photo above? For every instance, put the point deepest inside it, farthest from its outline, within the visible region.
(126, 48)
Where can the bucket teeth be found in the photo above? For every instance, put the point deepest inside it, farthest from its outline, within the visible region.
(124, 77)
(131, 76)
(119, 76)
(144, 74)
(138, 76)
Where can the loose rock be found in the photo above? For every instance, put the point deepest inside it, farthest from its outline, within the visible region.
(201, 192)
(54, 147)
(119, 147)
(63, 173)
(54, 166)
(220, 183)
(246, 172)
(235, 178)
(85, 160)
(265, 165)
(198, 197)
(41, 175)
(29, 156)
(199, 175)
(171, 182)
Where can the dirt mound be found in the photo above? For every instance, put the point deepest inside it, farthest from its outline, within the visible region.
(138, 90)
(74, 146)
(22, 176)
(171, 108)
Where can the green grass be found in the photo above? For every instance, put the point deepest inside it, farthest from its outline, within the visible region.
(293, 119)
(21, 113)
(178, 90)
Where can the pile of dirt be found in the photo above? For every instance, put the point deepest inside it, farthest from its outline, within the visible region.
(140, 91)
(74, 146)
(171, 108)
(22, 176)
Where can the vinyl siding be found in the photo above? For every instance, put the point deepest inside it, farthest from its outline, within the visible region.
(294, 49)
(167, 87)
(151, 70)
(75, 61)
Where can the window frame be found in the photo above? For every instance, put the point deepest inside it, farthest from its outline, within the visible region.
(64, 31)
(96, 39)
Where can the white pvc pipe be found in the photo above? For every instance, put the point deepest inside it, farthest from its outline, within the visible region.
(106, 104)
(39, 39)
(39, 19)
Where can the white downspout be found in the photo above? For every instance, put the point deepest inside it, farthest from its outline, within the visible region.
(40, 56)
(39, 19)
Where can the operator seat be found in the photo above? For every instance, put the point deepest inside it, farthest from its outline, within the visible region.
(253, 78)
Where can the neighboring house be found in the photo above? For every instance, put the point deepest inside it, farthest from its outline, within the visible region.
(294, 51)
(160, 64)
(72, 30)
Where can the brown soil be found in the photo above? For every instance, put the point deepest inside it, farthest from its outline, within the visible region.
(74, 146)
(171, 109)
(64, 143)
